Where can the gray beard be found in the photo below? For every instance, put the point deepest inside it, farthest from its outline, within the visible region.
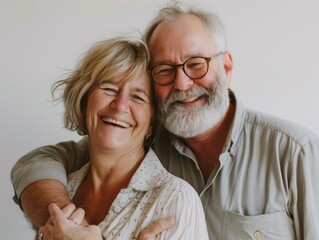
(189, 122)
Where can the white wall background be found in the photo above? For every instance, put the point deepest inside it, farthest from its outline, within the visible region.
(274, 46)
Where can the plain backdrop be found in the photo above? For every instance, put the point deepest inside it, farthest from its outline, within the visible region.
(274, 45)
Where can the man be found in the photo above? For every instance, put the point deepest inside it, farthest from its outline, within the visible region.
(256, 174)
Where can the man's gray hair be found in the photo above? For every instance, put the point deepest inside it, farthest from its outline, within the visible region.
(175, 8)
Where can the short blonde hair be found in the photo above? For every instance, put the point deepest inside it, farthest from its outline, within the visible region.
(112, 58)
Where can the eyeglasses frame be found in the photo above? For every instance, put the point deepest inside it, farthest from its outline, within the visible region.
(175, 66)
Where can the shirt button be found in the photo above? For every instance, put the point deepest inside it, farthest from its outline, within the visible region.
(117, 209)
(257, 235)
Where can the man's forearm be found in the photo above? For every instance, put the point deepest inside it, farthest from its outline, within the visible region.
(36, 198)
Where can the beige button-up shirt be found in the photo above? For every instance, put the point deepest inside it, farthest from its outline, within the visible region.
(267, 184)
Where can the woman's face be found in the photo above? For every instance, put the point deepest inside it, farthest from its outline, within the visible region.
(119, 114)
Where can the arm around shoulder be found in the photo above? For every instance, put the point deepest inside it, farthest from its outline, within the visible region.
(36, 198)
(39, 177)
(48, 162)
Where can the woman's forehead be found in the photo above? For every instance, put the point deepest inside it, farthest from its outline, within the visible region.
(138, 79)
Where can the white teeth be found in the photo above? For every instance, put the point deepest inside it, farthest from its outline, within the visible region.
(113, 121)
(189, 100)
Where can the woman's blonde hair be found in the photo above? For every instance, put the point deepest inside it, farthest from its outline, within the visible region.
(104, 61)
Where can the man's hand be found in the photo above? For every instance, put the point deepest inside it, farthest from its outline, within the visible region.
(67, 224)
(36, 198)
(156, 228)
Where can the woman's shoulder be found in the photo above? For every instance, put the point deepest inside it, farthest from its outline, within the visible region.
(178, 186)
(162, 177)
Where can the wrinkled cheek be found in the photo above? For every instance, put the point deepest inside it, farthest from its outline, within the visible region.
(162, 92)
(92, 121)
(89, 124)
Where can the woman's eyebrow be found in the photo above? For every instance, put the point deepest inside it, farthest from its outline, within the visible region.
(141, 90)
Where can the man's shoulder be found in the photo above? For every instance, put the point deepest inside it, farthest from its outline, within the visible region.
(270, 123)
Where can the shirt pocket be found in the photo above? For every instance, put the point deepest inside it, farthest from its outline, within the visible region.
(271, 226)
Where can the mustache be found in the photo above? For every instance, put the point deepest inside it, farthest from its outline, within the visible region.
(177, 96)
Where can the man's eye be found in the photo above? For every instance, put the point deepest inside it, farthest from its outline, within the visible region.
(195, 65)
(164, 70)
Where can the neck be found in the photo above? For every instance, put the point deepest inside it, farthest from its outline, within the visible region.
(114, 168)
(109, 174)
(208, 146)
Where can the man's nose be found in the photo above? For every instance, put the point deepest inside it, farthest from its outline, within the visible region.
(182, 81)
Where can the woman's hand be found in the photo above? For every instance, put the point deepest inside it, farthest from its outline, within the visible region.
(68, 224)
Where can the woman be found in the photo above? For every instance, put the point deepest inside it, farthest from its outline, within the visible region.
(124, 187)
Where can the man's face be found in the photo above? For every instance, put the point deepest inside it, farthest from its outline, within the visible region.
(185, 100)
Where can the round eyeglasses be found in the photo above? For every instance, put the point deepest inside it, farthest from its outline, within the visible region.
(194, 68)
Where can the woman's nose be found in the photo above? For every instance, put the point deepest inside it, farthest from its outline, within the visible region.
(121, 102)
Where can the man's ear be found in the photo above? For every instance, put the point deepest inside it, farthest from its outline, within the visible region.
(228, 67)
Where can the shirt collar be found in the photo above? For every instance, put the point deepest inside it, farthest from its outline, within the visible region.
(150, 174)
(237, 125)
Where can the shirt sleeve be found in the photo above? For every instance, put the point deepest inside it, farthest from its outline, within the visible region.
(189, 215)
(305, 192)
(48, 162)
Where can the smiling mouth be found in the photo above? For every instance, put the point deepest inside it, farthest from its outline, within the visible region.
(189, 100)
(115, 122)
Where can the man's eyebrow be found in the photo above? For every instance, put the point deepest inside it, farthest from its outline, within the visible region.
(185, 58)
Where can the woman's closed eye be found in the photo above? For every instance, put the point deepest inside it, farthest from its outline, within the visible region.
(110, 91)
(139, 98)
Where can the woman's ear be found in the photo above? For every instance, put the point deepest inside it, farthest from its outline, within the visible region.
(150, 135)
(149, 131)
